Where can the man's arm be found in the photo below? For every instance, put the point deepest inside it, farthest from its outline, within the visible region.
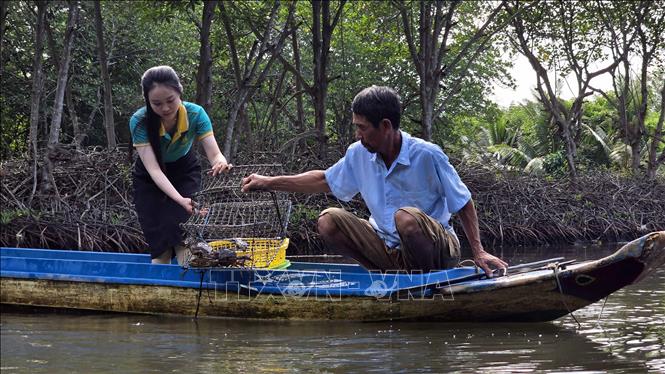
(308, 182)
(484, 260)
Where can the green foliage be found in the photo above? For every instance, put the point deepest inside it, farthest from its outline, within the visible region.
(595, 148)
(555, 164)
(16, 79)
(7, 216)
(650, 123)
(367, 47)
(302, 213)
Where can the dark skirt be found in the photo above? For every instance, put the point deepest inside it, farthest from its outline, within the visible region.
(160, 217)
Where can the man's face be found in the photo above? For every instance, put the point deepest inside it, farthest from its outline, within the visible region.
(370, 137)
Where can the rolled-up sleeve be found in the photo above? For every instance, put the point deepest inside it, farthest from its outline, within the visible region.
(138, 130)
(203, 125)
(341, 179)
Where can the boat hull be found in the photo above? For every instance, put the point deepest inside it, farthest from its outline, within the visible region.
(310, 292)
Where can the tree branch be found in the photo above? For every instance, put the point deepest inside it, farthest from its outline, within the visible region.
(409, 36)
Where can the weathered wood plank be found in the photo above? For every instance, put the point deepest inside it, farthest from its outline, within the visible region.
(541, 299)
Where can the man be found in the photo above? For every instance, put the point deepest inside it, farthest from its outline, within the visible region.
(409, 186)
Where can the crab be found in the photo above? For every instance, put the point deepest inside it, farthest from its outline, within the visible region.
(203, 255)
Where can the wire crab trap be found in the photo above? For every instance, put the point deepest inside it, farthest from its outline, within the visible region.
(226, 186)
(233, 228)
(239, 219)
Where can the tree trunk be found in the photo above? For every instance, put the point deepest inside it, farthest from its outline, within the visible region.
(243, 123)
(275, 105)
(429, 50)
(641, 110)
(563, 15)
(428, 96)
(63, 74)
(624, 22)
(237, 74)
(204, 73)
(4, 5)
(430, 64)
(37, 85)
(54, 132)
(322, 29)
(622, 90)
(654, 160)
(635, 128)
(79, 133)
(650, 34)
(320, 85)
(255, 67)
(109, 123)
(571, 150)
(37, 77)
(238, 106)
(300, 111)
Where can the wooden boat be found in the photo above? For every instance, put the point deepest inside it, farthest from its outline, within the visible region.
(538, 291)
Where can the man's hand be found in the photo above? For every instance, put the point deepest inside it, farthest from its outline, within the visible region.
(483, 259)
(255, 182)
(487, 262)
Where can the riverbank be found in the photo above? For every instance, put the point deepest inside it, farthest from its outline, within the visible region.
(91, 206)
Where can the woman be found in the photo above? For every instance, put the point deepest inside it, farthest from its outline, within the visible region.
(168, 173)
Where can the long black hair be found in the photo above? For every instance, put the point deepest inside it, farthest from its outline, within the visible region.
(164, 75)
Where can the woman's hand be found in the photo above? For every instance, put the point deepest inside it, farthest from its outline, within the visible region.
(192, 207)
(219, 165)
(188, 204)
(217, 160)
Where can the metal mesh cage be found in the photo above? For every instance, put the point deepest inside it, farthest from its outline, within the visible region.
(232, 213)
(232, 180)
(228, 216)
(225, 187)
(240, 219)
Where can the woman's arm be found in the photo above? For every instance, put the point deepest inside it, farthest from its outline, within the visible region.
(217, 160)
(149, 160)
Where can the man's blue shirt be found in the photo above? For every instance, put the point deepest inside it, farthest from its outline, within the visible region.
(420, 177)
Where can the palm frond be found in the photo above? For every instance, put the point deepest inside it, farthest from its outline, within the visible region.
(509, 155)
(621, 155)
(535, 166)
(600, 136)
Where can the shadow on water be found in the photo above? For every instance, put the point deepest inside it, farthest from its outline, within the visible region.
(628, 338)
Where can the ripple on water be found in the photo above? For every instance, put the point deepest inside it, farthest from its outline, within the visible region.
(40, 362)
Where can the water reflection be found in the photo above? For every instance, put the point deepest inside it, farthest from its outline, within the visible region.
(629, 337)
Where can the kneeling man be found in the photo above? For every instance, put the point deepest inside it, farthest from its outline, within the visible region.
(409, 186)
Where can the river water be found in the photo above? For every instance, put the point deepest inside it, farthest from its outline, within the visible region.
(626, 333)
